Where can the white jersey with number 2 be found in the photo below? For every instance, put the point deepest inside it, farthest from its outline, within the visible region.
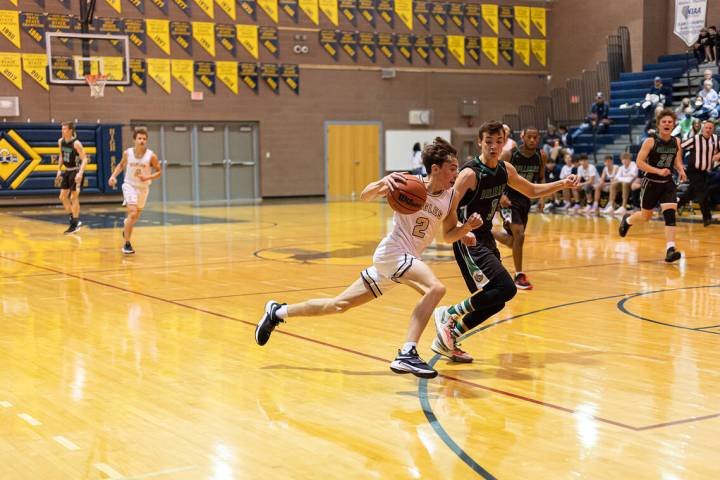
(136, 167)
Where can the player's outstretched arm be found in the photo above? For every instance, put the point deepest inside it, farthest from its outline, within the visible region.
(535, 190)
(380, 188)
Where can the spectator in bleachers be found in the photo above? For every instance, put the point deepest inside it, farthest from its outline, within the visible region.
(708, 75)
(694, 130)
(626, 174)
(552, 174)
(701, 46)
(606, 178)
(709, 109)
(570, 168)
(712, 38)
(588, 175)
(598, 120)
(565, 140)
(551, 143)
(657, 96)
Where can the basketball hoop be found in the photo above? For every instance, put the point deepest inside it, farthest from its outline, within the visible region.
(96, 82)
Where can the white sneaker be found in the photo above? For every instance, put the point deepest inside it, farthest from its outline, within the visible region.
(620, 210)
(444, 323)
(587, 208)
(576, 207)
(607, 209)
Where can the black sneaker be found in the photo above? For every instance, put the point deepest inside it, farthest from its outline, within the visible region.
(672, 255)
(74, 227)
(268, 322)
(127, 249)
(412, 363)
(624, 226)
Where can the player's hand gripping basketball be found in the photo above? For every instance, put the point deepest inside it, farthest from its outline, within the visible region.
(391, 181)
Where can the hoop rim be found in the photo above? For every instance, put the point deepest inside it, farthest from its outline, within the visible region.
(93, 78)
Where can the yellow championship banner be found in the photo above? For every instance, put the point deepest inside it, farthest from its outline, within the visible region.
(207, 6)
(35, 65)
(159, 70)
(247, 36)
(271, 8)
(227, 72)
(522, 18)
(159, 31)
(14, 2)
(330, 9)
(537, 15)
(310, 7)
(228, 6)
(522, 48)
(404, 10)
(490, 15)
(10, 26)
(539, 50)
(490, 48)
(204, 34)
(115, 4)
(11, 68)
(456, 45)
(183, 72)
(114, 68)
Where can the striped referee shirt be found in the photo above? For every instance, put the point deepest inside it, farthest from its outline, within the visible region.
(703, 151)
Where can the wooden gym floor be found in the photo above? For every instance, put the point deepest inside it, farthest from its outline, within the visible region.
(145, 366)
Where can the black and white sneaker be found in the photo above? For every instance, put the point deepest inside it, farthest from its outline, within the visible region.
(412, 363)
(268, 322)
(672, 255)
(624, 226)
(73, 228)
(128, 249)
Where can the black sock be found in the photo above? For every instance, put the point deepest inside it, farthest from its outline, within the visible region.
(490, 300)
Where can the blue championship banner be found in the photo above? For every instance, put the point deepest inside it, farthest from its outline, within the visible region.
(404, 43)
(162, 5)
(291, 76)
(270, 73)
(438, 44)
(386, 44)
(184, 5)
(366, 42)
(473, 48)
(456, 12)
(248, 73)
(422, 47)
(110, 26)
(348, 44)
(34, 25)
(290, 7)
(506, 19)
(329, 42)
(135, 30)
(249, 7)
(439, 13)
(421, 9)
(139, 4)
(386, 10)
(226, 36)
(366, 9)
(505, 45)
(205, 73)
(268, 37)
(181, 33)
(138, 73)
(348, 9)
(474, 16)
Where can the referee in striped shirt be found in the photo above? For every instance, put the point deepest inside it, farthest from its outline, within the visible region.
(703, 149)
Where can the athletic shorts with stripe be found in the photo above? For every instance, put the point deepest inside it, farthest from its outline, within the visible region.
(480, 263)
(654, 193)
(386, 272)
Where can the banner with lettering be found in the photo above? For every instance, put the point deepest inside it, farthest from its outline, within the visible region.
(138, 73)
(290, 7)
(366, 9)
(404, 43)
(207, 6)
(248, 73)
(181, 33)
(438, 11)
(228, 6)
(110, 26)
(539, 50)
(10, 26)
(505, 46)
(115, 5)
(184, 6)
(35, 66)
(522, 48)
(182, 71)
(159, 32)
(159, 70)
(225, 35)
(205, 74)
(11, 68)
(456, 12)
(422, 47)
(270, 7)
(438, 44)
(522, 17)
(386, 10)
(291, 76)
(227, 73)
(366, 41)
(270, 73)
(329, 42)
(490, 48)
(163, 5)
(135, 30)
(348, 9)
(249, 7)
(506, 18)
(311, 9)
(537, 15)
(348, 44)
(474, 16)
(114, 68)
(139, 4)
(403, 9)
(386, 44)
(33, 24)
(330, 9)
(204, 34)
(421, 9)
(62, 67)
(472, 47)
(456, 47)
(490, 15)
(247, 36)
(269, 38)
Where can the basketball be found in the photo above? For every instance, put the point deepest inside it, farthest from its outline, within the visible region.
(409, 197)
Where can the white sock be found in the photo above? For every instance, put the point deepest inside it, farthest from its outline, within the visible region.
(628, 220)
(518, 273)
(407, 347)
(669, 245)
(595, 204)
(282, 312)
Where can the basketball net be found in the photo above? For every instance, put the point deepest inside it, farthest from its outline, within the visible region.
(96, 82)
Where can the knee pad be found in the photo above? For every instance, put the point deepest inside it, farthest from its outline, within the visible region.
(669, 216)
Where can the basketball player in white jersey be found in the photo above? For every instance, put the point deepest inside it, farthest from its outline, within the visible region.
(397, 258)
(138, 163)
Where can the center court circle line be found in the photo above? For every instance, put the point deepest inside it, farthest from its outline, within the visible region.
(423, 383)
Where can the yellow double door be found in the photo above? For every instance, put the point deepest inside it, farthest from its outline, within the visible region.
(353, 158)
